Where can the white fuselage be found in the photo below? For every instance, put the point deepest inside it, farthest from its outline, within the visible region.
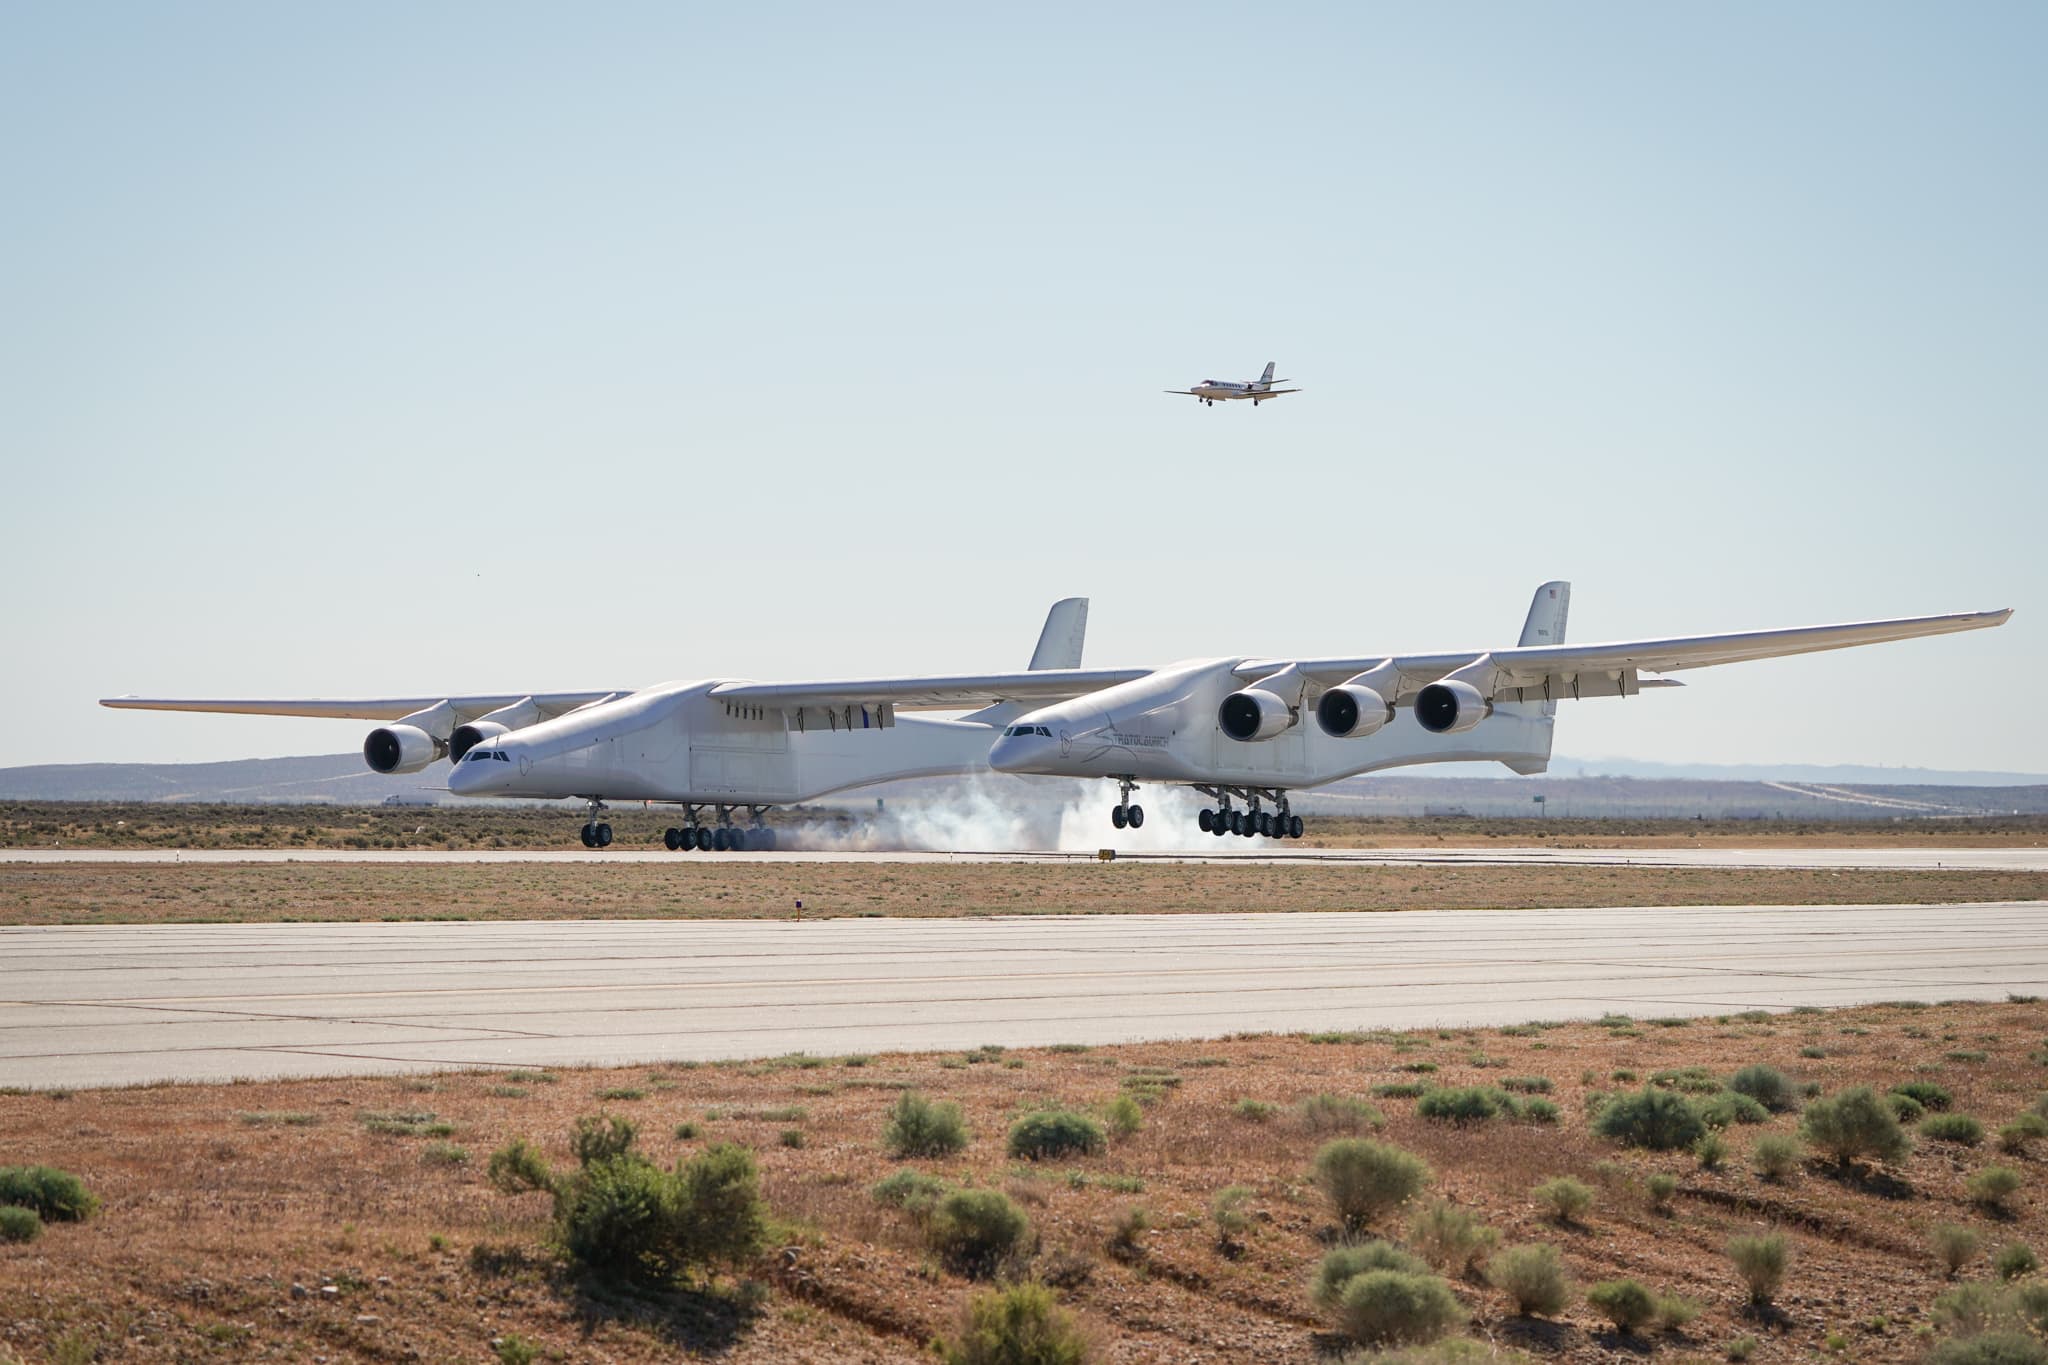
(677, 743)
(1163, 728)
(1213, 389)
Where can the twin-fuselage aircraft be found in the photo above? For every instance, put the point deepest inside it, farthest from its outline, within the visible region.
(1244, 731)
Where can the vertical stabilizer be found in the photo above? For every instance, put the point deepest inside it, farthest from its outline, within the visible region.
(1267, 377)
(1547, 613)
(1066, 629)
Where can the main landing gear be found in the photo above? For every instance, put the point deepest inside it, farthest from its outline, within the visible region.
(1253, 821)
(725, 837)
(1127, 815)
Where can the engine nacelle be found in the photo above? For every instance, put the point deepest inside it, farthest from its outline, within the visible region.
(463, 738)
(1254, 714)
(1451, 707)
(1352, 711)
(400, 749)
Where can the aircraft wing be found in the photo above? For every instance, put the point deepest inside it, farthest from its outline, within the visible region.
(1561, 668)
(932, 693)
(1189, 392)
(467, 708)
(1275, 393)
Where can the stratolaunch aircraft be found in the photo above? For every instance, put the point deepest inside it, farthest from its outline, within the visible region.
(1258, 390)
(1231, 728)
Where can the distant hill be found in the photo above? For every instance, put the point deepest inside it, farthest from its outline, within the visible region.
(1575, 788)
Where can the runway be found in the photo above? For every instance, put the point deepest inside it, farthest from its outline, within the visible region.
(109, 1005)
(1229, 851)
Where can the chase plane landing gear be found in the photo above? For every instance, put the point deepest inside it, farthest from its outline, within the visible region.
(1127, 814)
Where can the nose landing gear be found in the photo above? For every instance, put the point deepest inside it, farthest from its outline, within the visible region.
(596, 833)
(1127, 814)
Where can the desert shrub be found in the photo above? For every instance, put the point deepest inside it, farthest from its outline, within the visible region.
(1254, 1111)
(1661, 1185)
(916, 1193)
(2014, 1260)
(1328, 1113)
(708, 1210)
(1055, 1133)
(1531, 1275)
(1226, 1211)
(918, 1127)
(1975, 1307)
(1341, 1265)
(1854, 1123)
(1766, 1085)
(1692, 1080)
(18, 1224)
(1760, 1261)
(975, 1231)
(1465, 1104)
(518, 1167)
(1020, 1325)
(513, 1349)
(1674, 1311)
(1400, 1090)
(1366, 1179)
(1956, 1128)
(1538, 1111)
(2024, 1130)
(1775, 1156)
(1390, 1308)
(444, 1154)
(56, 1196)
(1905, 1108)
(1657, 1119)
(1124, 1115)
(1711, 1150)
(1732, 1106)
(1741, 1348)
(600, 1137)
(688, 1132)
(1991, 1348)
(1926, 1094)
(1563, 1198)
(1954, 1246)
(1527, 1085)
(1127, 1232)
(1991, 1187)
(1448, 1237)
(1625, 1303)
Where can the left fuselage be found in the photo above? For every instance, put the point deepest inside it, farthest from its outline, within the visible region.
(678, 743)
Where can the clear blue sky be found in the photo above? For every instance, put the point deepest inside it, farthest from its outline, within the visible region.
(401, 348)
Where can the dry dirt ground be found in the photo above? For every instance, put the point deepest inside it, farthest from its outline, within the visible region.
(219, 1200)
(76, 893)
(106, 825)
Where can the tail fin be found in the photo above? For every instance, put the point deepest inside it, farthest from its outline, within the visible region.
(1547, 613)
(1066, 628)
(1267, 377)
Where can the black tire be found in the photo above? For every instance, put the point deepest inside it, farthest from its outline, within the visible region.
(1237, 822)
(1294, 826)
(589, 836)
(604, 836)
(672, 838)
(1206, 819)
(1220, 828)
(704, 840)
(767, 839)
(720, 842)
(1136, 816)
(1116, 816)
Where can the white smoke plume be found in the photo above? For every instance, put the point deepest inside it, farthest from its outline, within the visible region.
(1021, 815)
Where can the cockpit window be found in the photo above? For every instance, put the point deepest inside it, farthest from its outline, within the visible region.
(1028, 730)
(501, 756)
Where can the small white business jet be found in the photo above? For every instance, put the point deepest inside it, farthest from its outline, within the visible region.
(1231, 728)
(1258, 390)
(1234, 728)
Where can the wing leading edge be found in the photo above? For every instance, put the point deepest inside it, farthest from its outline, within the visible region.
(362, 708)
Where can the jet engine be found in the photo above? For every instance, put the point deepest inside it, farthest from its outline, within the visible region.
(502, 721)
(1351, 711)
(1254, 714)
(1451, 706)
(400, 748)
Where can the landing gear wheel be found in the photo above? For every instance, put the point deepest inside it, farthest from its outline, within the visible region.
(1206, 819)
(1220, 826)
(1117, 817)
(703, 839)
(672, 838)
(767, 839)
(1265, 824)
(589, 833)
(604, 836)
(1136, 815)
(1294, 826)
(719, 842)
(1237, 822)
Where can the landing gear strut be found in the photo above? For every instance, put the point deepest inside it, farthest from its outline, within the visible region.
(596, 833)
(1267, 824)
(1127, 815)
(725, 837)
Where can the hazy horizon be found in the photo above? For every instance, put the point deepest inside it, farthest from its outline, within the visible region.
(402, 351)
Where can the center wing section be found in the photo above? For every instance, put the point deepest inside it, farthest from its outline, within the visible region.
(941, 692)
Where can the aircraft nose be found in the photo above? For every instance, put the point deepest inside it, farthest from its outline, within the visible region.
(1015, 753)
(479, 777)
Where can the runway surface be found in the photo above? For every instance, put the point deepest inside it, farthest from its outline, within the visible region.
(105, 1005)
(1902, 859)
